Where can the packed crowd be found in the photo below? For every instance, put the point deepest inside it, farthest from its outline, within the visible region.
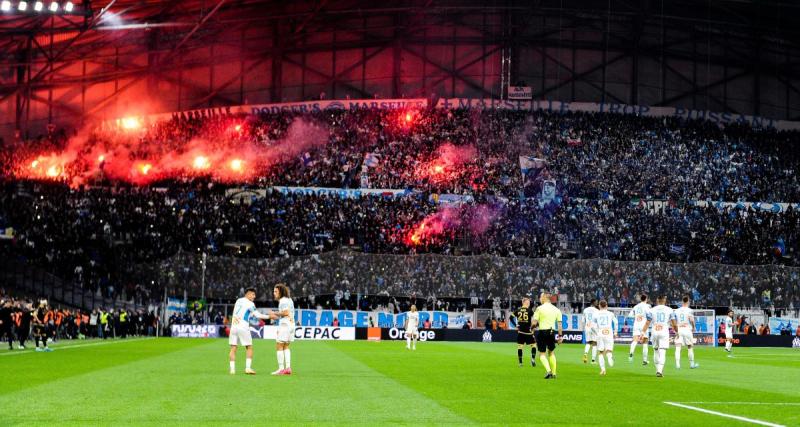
(477, 281)
(80, 230)
(456, 151)
(119, 237)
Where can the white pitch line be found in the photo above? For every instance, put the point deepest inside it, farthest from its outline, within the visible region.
(748, 403)
(722, 414)
(753, 356)
(26, 351)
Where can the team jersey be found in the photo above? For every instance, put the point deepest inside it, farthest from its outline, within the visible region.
(728, 321)
(605, 323)
(524, 315)
(413, 320)
(588, 316)
(685, 318)
(660, 316)
(242, 311)
(283, 305)
(639, 314)
(40, 315)
(547, 315)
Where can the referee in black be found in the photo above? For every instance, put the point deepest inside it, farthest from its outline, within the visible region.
(524, 317)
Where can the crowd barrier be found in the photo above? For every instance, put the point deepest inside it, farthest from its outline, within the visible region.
(353, 333)
(742, 340)
(459, 335)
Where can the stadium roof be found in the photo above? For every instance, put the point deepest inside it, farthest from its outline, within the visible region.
(753, 37)
(105, 20)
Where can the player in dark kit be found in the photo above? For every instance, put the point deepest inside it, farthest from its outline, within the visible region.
(6, 323)
(524, 315)
(24, 318)
(40, 319)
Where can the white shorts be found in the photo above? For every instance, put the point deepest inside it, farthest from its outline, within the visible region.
(605, 343)
(285, 333)
(637, 331)
(729, 335)
(591, 335)
(660, 341)
(412, 332)
(240, 335)
(684, 337)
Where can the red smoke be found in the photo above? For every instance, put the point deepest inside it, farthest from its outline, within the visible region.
(449, 219)
(435, 225)
(448, 163)
(124, 155)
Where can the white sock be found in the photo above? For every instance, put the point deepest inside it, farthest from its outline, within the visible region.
(644, 352)
(414, 343)
(594, 352)
(545, 362)
(280, 360)
(602, 361)
(408, 342)
(662, 357)
(610, 359)
(728, 345)
(678, 356)
(691, 355)
(248, 363)
(633, 346)
(287, 356)
(233, 366)
(586, 349)
(655, 357)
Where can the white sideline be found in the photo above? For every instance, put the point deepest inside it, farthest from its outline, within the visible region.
(748, 403)
(722, 414)
(65, 347)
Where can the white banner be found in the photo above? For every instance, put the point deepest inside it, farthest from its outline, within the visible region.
(641, 110)
(306, 107)
(526, 104)
(520, 93)
(314, 333)
(195, 331)
(342, 192)
(778, 324)
(757, 206)
(248, 194)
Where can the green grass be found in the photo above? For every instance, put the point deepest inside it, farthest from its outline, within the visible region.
(186, 381)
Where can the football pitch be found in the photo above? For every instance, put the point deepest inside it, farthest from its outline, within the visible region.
(186, 381)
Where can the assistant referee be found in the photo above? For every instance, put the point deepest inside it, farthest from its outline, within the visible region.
(547, 316)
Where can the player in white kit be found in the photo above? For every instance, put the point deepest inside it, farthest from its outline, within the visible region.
(605, 329)
(589, 330)
(728, 321)
(412, 328)
(285, 328)
(685, 337)
(243, 310)
(639, 315)
(661, 317)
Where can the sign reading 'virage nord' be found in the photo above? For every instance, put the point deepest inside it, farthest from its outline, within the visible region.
(364, 319)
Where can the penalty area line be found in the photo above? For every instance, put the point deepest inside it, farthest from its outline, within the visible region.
(722, 414)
